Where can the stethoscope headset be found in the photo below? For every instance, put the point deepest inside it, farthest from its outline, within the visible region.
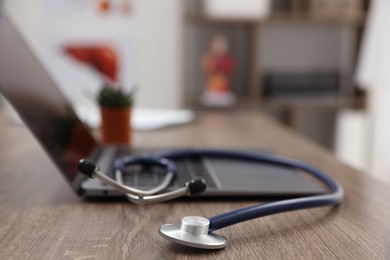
(198, 232)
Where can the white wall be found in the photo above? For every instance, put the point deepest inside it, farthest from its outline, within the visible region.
(157, 28)
(373, 74)
(160, 41)
(27, 16)
(352, 139)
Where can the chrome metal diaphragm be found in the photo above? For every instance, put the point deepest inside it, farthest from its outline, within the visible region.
(194, 232)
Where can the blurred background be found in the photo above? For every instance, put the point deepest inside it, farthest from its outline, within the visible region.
(316, 66)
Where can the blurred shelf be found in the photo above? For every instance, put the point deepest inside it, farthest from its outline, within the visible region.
(349, 20)
(297, 14)
(354, 19)
(241, 103)
(289, 102)
(204, 19)
(316, 102)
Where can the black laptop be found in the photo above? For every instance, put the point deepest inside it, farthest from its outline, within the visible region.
(51, 119)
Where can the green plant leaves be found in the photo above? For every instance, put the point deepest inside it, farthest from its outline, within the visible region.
(114, 98)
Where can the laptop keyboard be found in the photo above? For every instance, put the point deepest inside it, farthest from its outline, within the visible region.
(149, 177)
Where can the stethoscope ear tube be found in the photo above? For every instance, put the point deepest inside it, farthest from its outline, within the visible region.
(191, 188)
(139, 196)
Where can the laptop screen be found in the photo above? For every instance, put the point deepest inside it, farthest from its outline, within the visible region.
(42, 107)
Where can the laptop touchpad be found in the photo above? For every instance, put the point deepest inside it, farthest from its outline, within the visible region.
(238, 175)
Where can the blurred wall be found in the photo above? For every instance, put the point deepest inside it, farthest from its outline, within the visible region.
(157, 27)
(373, 74)
(160, 58)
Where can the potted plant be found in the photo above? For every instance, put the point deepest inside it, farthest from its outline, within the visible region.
(115, 110)
(115, 104)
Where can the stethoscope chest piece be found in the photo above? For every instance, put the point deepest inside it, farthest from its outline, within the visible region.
(193, 232)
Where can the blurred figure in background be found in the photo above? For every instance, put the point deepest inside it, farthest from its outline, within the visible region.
(218, 65)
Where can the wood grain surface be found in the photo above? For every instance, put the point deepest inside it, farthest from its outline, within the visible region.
(41, 218)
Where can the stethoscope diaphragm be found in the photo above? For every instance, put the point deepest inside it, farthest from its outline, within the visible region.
(194, 232)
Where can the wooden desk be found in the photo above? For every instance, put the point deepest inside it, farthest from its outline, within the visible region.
(41, 218)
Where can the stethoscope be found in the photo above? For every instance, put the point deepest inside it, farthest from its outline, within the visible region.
(198, 232)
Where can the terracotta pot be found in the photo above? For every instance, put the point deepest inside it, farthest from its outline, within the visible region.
(115, 127)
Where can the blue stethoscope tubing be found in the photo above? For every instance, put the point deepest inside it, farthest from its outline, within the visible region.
(334, 197)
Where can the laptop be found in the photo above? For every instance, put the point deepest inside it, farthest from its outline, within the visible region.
(51, 119)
